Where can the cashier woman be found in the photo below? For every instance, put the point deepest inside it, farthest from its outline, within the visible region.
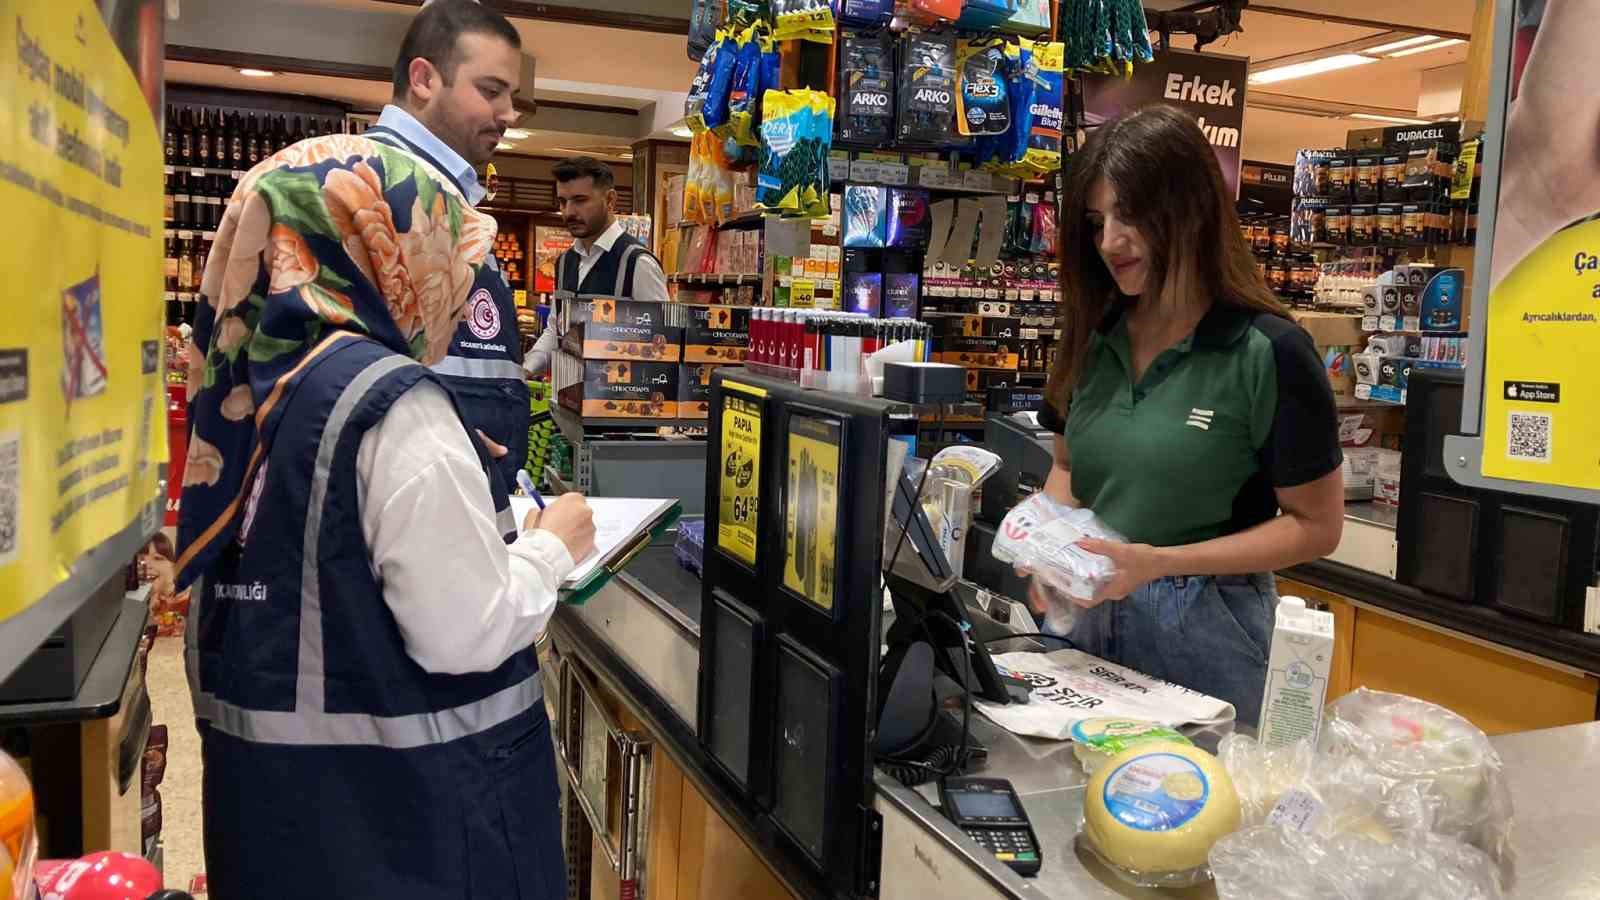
(1192, 412)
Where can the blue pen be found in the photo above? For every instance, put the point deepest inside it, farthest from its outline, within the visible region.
(526, 483)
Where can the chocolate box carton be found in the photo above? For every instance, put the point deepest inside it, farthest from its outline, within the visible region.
(694, 390)
(626, 330)
(717, 334)
(624, 389)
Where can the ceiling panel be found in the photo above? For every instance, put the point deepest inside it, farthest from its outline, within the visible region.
(1451, 15)
(1264, 36)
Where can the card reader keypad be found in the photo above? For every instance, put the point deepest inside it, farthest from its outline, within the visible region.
(1009, 845)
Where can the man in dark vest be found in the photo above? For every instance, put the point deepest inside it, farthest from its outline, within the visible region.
(605, 261)
(360, 643)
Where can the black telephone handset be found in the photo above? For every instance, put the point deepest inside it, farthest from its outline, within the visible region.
(990, 812)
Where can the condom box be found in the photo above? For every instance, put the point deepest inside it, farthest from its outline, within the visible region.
(626, 330)
(716, 334)
(614, 389)
(1442, 305)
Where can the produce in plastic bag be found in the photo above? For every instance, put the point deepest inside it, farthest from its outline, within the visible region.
(1153, 812)
(1287, 864)
(1040, 536)
(1416, 743)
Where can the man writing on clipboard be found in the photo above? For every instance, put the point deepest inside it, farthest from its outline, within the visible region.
(604, 261)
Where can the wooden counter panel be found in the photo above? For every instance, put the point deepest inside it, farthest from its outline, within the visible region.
(1497, 692)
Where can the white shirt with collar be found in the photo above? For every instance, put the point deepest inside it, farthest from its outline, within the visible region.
(464, 600)
(649, 284)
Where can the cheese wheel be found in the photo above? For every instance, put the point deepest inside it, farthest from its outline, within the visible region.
(1159, 808)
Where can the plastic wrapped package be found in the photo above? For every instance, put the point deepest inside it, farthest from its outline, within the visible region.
(1095, 741)
(953, 476)
(1287, 864)
(1444, 757)
(796, 135)
(808, 20)
(1040, 536)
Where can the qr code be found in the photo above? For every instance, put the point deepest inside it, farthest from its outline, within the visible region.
(1529, 437)
(10, 495)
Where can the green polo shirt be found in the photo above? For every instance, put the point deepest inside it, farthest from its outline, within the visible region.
(1195, 449)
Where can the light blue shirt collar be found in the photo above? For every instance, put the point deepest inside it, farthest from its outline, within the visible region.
(407, 126)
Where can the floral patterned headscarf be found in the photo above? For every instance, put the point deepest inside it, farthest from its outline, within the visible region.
(332, 239)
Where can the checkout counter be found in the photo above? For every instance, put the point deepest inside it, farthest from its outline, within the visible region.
(649, 811)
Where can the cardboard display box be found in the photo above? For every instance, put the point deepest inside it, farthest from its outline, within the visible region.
(1331, 329)
(624, 389)
(626, 330)
(694, 390)
(717, 334)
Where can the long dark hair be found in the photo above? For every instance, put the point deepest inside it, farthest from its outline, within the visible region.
(1170, 187)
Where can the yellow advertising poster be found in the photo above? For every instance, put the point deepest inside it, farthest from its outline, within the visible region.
(811, 509)
(82, 412)
(740, 486)
(1541, 386)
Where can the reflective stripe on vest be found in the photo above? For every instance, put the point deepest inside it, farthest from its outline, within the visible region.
(310, 723)
(464, 367)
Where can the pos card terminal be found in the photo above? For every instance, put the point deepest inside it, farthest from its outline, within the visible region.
(988, 810)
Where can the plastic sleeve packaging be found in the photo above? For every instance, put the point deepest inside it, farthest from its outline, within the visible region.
(1402, 798)
(1040, 536)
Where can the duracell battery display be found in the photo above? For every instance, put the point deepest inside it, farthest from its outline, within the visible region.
(1341, 177)
(1363, 224)
(1367, 187)
(1337, 224)
(1393, 182)
(1389, 223)
(1308, 222)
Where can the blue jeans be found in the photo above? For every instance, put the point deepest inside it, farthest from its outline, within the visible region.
(1208, 634)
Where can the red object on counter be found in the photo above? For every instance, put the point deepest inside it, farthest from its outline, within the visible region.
(109, 875)
(178, 447)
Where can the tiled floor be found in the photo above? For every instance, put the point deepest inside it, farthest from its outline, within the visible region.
(180, 789)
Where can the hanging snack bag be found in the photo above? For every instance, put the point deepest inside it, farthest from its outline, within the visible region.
(806, 20)
(714, 109)
(744, 94)
(700, 96)
(981, 103)
(866, 84)
(927, 88)
(1049, 84)
(796, 135)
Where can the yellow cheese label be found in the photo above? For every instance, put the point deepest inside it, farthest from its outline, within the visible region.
(1541, 387)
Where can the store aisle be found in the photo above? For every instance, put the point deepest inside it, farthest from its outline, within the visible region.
(180, 789)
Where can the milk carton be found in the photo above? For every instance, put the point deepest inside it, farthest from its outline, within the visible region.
(1297, 673)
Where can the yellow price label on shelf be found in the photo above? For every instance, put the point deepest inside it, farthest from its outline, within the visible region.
(739, 486)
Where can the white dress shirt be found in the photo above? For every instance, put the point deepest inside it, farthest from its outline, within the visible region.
(649, 284)
(406, 125)
(463, 602)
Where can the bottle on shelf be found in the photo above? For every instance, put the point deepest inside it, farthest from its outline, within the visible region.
(182, 202)
(185, 264)
(252, 142)
(170, 263)
(298, 133)
(186, 137)
(169, 184)
(171, 148)
(235, 141)
(202, 139)
(280, 133)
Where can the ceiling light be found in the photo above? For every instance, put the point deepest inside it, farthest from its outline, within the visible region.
(518, 134)
(256, 73)
(1393, 120)
(681, 131)
(1451, 42)
(1400, 45)
(502, 146)
(1309, 67)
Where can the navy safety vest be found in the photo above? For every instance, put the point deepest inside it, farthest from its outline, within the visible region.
(335, 766)
(483, 367)
(611, 276)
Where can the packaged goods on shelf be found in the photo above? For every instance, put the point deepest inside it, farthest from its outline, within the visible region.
(796, 135)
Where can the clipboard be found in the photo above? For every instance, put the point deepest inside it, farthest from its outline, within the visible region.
(580, 594)
(642, 521)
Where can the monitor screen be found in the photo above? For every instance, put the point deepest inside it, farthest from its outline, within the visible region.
(983, 804)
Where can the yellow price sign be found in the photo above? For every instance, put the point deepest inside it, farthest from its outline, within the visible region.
(82, 405)
(739, 490)
(811, 509)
